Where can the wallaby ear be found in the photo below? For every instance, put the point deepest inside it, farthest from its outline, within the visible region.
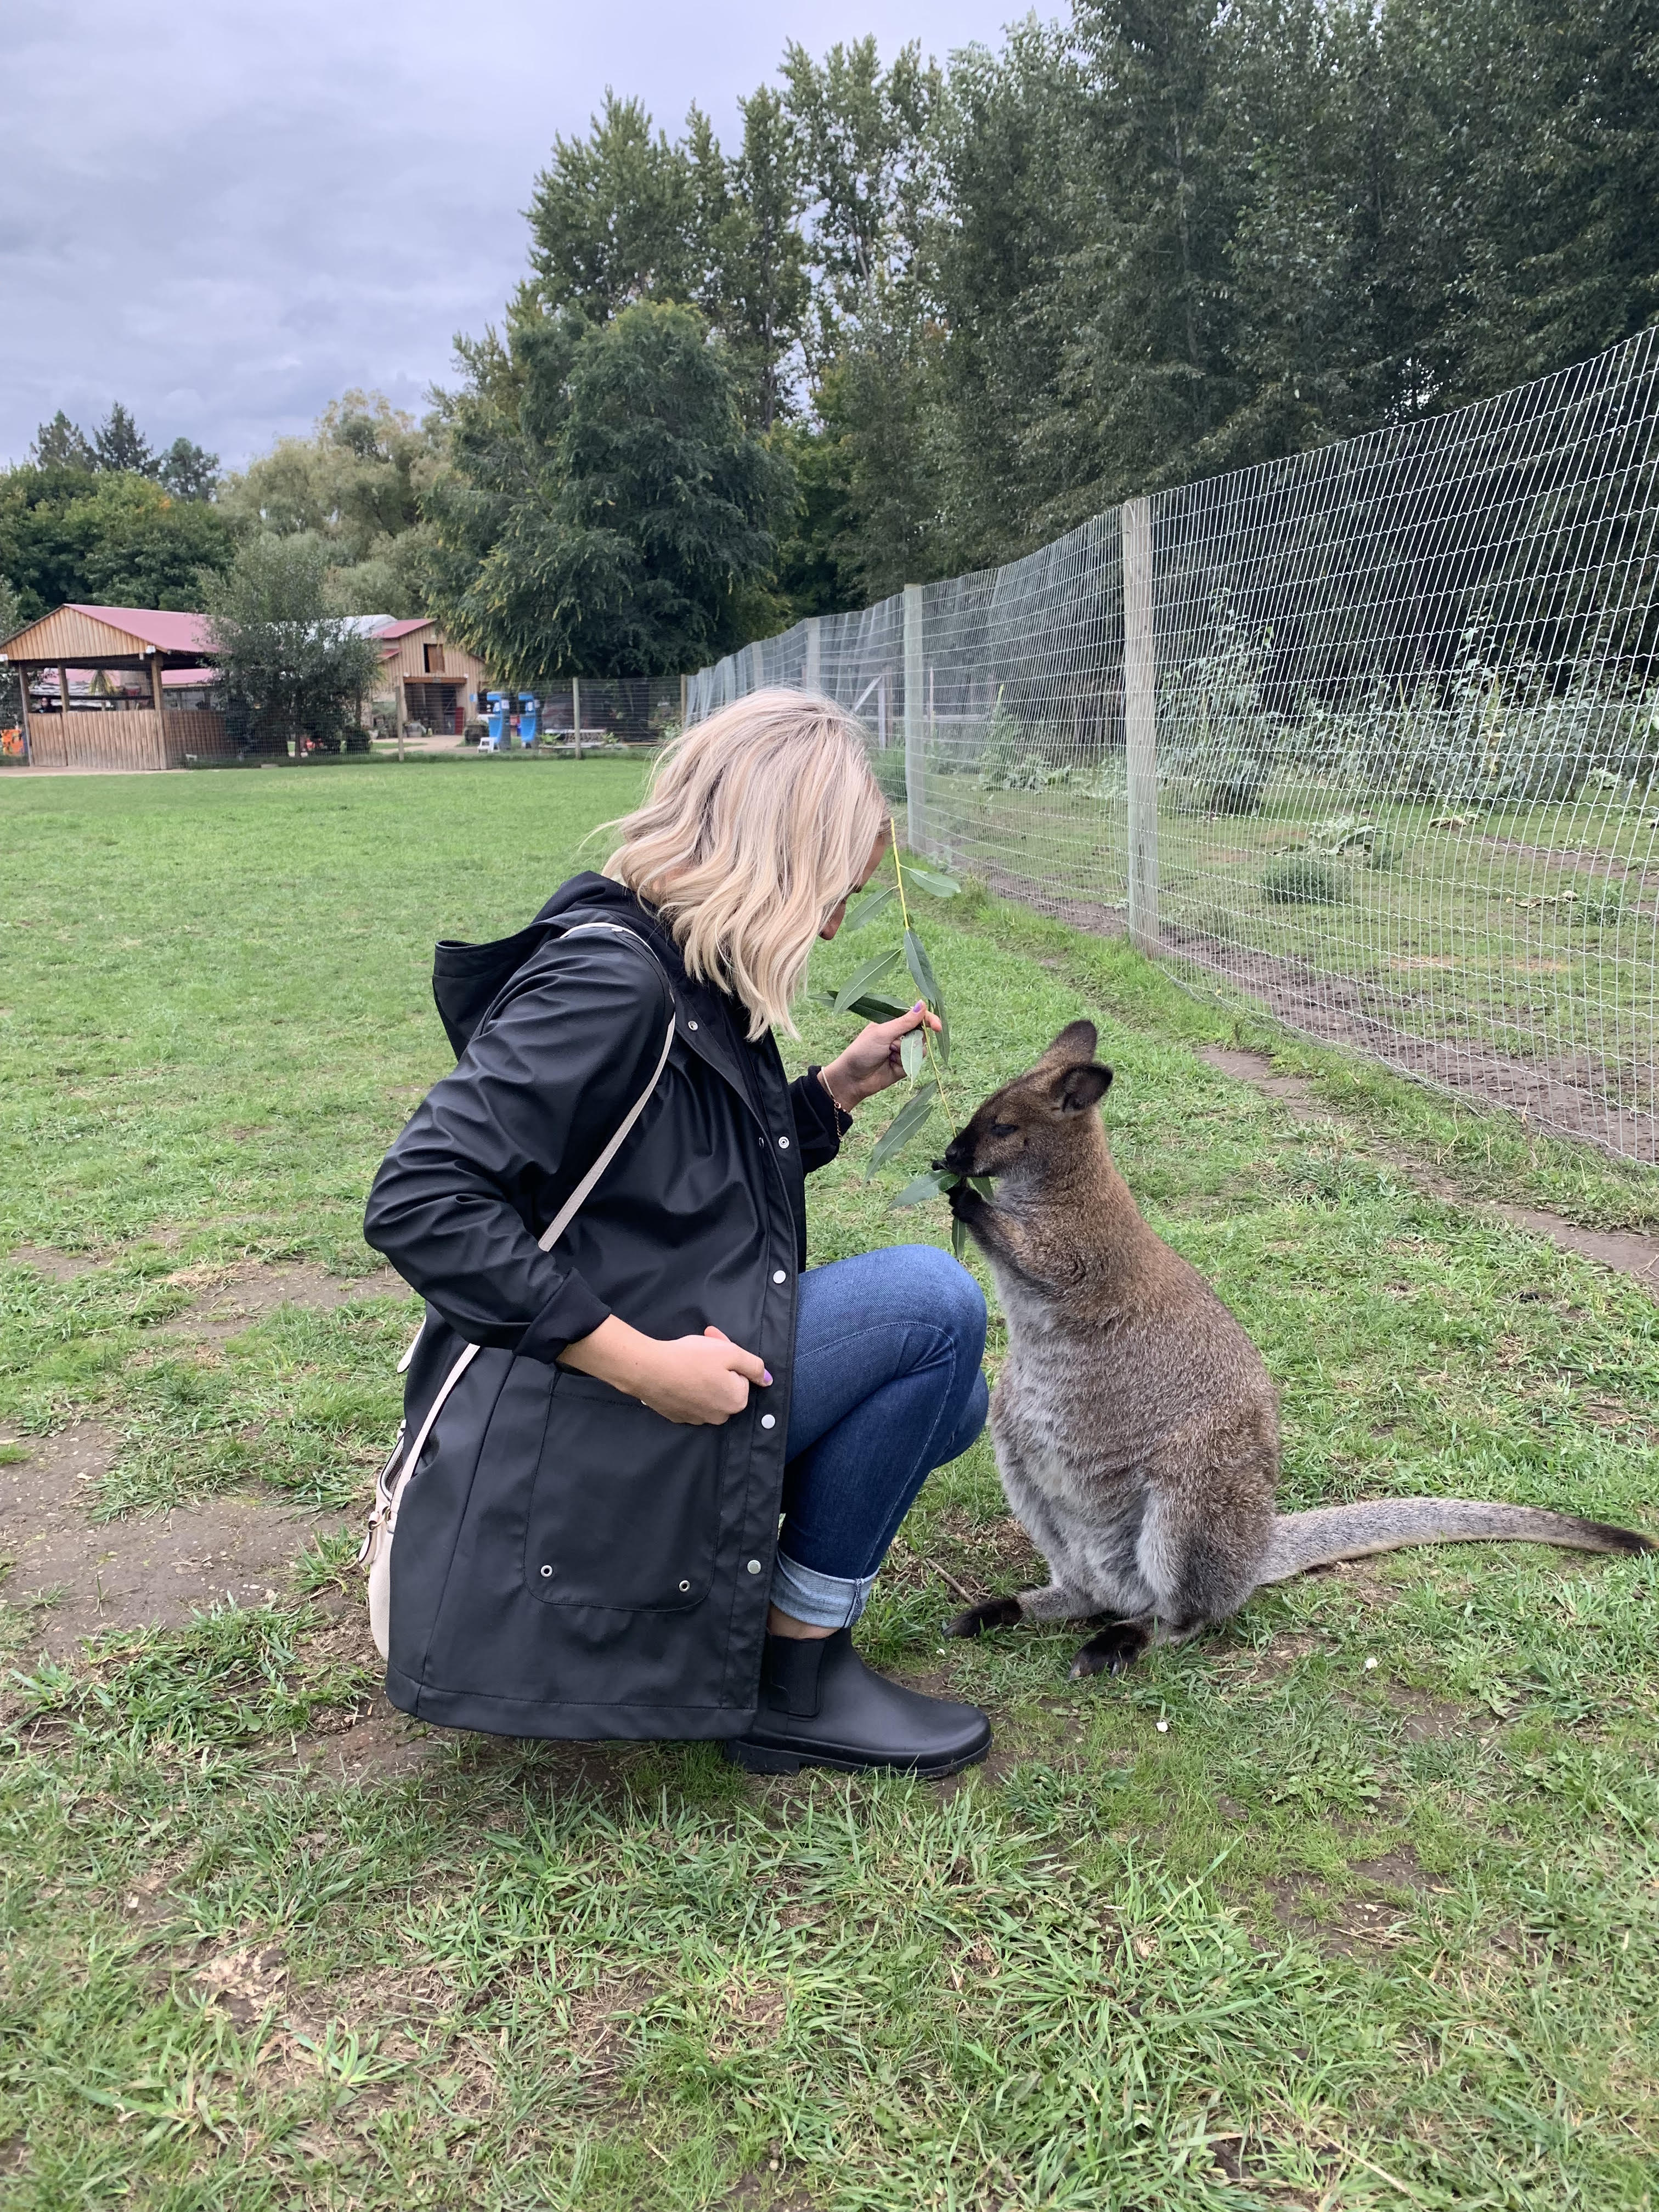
(1078, 1089)
(1076, 1041)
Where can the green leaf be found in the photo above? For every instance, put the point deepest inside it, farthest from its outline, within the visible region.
(903, 1126)
(942, 1041)
(871, 1006)
(921, 1188)
(959, 1238)
(872, 904)
(915, 954)
(929, 881)
(985, 1185)
(913, 1053)
(861, 978)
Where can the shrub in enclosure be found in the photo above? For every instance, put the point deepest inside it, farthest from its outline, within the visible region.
(1217, 745)
(1598, 906)
(1303, 879)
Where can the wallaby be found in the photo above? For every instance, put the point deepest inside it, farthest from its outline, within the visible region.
(1136, 1428)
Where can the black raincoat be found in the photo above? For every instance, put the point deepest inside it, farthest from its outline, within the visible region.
(568, 1563)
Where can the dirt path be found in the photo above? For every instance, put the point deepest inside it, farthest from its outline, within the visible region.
(76, 1577)
(1626, 1251)
(81, 1578)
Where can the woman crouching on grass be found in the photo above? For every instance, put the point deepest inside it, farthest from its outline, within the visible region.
(590, 1544)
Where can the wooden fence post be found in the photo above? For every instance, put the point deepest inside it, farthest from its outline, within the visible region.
(1140, 721)
(915, 732)
(812, 680)
(576, 714)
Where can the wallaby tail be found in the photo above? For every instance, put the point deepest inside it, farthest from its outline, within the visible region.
(1301, 1541)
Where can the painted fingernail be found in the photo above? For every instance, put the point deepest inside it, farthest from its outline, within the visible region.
(765, 1375)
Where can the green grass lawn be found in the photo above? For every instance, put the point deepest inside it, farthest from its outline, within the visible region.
(1355, 1905)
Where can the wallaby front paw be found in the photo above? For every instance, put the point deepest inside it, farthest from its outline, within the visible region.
(991, 1612)
(1112, 1652)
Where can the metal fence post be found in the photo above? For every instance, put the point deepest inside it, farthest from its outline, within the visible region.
(576, 715)
(812, 680)
(1140, 721)
(916, 758)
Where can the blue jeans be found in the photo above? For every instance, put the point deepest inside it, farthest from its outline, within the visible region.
(887, 1386)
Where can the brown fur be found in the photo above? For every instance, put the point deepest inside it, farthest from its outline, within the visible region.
(1136, 1428)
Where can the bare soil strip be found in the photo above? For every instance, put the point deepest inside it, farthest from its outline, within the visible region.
(1626, 1251)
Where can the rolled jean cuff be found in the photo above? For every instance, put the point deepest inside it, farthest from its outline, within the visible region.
(820, 1601)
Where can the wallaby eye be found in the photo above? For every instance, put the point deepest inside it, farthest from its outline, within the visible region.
(1005, 1129)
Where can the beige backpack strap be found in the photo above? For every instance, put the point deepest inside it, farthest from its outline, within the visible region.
(395, 1475)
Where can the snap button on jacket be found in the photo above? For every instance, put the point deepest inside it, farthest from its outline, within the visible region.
(568, 1563)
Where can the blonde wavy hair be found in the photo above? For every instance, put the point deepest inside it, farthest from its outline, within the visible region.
(757, 824)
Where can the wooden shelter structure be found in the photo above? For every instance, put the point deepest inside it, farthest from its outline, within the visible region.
(121, 723)
(431, 682)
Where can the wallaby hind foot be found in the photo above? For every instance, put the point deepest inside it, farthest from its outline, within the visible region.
(989, 1612)
(1114, 1651)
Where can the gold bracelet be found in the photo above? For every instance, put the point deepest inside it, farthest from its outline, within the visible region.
(833, 1101)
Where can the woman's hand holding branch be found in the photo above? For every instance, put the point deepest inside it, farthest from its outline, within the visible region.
(872, 1061)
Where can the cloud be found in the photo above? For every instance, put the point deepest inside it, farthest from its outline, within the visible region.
(223, 216)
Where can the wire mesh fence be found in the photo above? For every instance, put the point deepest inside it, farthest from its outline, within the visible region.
(1369, 736)
(597, 710)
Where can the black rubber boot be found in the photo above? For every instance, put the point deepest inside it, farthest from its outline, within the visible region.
(820, 1706)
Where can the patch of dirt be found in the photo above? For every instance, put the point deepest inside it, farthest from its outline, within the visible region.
(1630, 1252)
(56, 1266)
(248, 1982)
(993, 1771)
(230, 1300)
(1257, 1070)
(750, 2018)
(1353, 1926)
(1430, 1720)
(598, 2024)
(968, 1556)
(1400, 1869)
(1608, 866)
(1577, 1095)
(82, 1579)
(245, 1984)
(373, 1746)
(758, 2192)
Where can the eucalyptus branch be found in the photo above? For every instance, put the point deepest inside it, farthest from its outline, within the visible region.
(924, 1054)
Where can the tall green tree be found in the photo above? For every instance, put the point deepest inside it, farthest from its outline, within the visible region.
(61, 444)
(115, 540)
(188, 470)
(356, 485)
(870, 183)
(290, 667)
(120, 446)
(755, 289)
(610, 512)
(611, 219)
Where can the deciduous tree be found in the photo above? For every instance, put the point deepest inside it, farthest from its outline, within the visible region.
(611, 508)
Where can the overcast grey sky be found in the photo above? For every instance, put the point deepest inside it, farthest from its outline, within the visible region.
(225, 214)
